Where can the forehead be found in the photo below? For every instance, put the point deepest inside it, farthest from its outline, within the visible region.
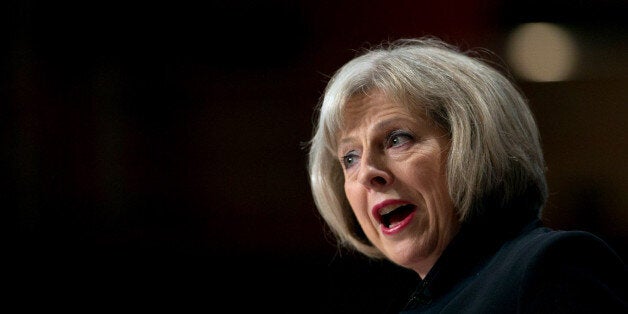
(372, 107)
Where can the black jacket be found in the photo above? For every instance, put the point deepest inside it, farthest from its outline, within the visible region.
(536, 270)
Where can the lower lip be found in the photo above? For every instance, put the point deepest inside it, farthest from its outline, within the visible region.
(399, 226)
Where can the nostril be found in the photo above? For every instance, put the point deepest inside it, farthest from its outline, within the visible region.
(379, 180)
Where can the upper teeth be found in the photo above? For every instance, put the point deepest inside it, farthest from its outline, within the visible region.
(388, 209)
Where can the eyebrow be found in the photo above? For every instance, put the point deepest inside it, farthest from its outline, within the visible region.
(378, 126)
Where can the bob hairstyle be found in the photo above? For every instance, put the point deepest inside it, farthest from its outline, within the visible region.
(495, 161)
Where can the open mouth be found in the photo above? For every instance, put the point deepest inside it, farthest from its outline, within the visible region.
(397, 215)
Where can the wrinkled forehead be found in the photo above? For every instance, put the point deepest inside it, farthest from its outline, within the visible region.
(360, 106)
(371, 103)
(372, 109)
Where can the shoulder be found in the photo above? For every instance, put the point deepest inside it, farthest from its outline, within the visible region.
(543, 271)
(546, 245)
(566, 271)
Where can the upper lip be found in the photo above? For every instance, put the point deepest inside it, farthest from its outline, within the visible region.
(390, 203)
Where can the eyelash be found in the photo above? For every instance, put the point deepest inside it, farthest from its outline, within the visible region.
(396, 134)
(344, 159)
(388, 143)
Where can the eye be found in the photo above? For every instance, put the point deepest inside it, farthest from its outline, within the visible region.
(398, 138)
(349, 159)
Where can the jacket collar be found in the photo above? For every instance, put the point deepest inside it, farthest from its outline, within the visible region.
(468, 251)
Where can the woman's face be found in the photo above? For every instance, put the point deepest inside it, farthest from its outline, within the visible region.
(394, 165)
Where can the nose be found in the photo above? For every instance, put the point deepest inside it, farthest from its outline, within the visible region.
(373, 172)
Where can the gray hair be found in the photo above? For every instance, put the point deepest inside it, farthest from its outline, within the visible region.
(495, 157)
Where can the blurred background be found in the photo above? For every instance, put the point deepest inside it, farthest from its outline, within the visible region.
(152, 152)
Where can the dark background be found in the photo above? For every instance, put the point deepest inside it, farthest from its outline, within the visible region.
(152, 151)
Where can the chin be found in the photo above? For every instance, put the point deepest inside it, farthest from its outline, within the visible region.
(410, 255)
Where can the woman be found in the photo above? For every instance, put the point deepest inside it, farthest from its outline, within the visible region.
(431, 159)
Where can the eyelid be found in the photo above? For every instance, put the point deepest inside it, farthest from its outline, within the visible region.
(350, 154)
(396, 133)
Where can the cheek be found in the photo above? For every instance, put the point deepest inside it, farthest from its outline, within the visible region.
(423, 174)
(429, 179)
(355, 199)
(358, 202)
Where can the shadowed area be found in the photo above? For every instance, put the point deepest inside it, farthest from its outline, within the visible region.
(152, 152)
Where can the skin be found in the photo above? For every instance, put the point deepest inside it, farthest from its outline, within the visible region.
(390, 154)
